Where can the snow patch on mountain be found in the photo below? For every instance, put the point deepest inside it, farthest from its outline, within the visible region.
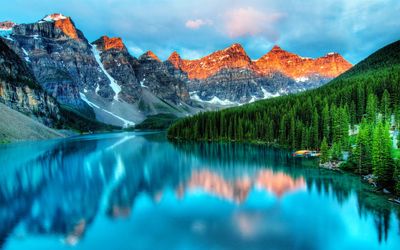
(54, 17)
(253, 99)
(215, 100)
(302, 79)
(113, 83)
(142, 83)
(268, 94)
(127, 123)
(6, 33)
(26, 55)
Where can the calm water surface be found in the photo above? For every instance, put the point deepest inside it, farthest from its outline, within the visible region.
(139, 191)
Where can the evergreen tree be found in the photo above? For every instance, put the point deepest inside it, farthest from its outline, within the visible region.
(305, 139)
(371, 109)
(336, 152)
(324, 151)
(282, 131)
(385, 106)
(292, 134)
(353, 114)
(396, 177)
(361, 156)
(325, 121)
(315, 130)
(382, 161)
(336, 125)
(344, 125)
(361, 100)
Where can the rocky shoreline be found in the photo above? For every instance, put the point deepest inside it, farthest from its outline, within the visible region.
(370, 179)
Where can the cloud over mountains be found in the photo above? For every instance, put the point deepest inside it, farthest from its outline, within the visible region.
(310, 27)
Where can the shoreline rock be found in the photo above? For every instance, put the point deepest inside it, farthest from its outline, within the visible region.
(332, 165)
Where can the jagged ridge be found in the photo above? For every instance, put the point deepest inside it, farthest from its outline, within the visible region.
(277, 60)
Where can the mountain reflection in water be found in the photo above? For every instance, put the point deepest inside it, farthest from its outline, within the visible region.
(238, 189)
(97, 192)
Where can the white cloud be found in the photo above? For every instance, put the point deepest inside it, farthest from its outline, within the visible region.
(196, 24)
(311, 27)
(251, 22)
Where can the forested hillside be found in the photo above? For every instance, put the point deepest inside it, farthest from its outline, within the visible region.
(352, 113)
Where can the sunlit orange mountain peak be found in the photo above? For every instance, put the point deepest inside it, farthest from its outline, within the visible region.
(63, 23)
(105, 43)
(150, 55)
(296, 67)
(175, 60)
(232, 57)
(276, 60)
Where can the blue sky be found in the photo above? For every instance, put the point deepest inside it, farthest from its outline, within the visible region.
(194, 28)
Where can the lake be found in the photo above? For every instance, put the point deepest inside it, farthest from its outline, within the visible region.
(139, 191)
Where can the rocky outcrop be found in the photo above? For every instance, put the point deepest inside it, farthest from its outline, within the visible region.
(155, 76)
(232, 57)
(236, 86)
(106, 43)
(121, 66)
(20, 91)
(174, 67)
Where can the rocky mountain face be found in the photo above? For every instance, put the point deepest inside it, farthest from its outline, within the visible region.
(153, 74)
(232, 57)
(121, 66)
(144, 85)
(230, 77)
(133, 75)
(298, 68)
(20, 91)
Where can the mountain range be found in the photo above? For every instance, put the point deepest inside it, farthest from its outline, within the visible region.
(102, 81)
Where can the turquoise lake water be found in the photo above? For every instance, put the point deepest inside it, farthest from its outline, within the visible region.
(139, 191)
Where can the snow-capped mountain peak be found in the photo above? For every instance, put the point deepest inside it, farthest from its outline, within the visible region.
(54, 17)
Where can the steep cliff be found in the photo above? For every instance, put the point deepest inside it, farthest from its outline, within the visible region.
(120, 65)
(20, 91)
